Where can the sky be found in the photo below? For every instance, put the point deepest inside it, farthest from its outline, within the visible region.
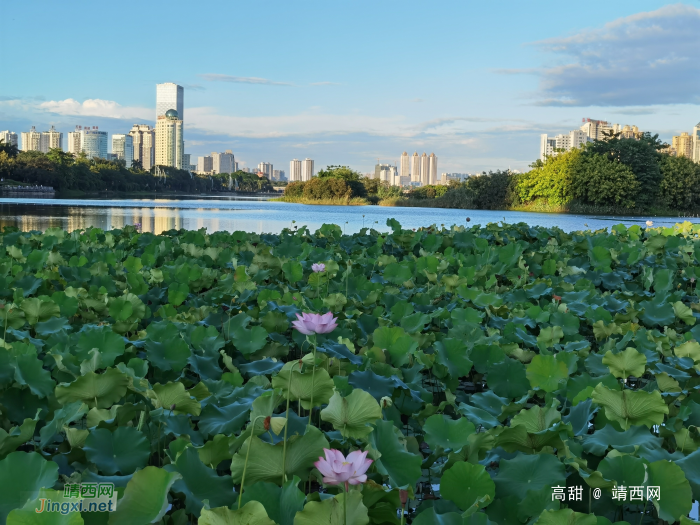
(352, 82)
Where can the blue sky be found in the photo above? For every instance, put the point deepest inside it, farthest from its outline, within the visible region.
(350, 82)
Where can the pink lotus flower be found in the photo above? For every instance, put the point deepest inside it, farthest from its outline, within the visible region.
(309, 324)
(337, 469)
(318, 267)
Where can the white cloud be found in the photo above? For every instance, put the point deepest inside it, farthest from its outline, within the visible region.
(216, 77)
(644, 59)
(94, 107)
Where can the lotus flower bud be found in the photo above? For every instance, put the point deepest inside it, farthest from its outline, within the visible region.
(386, 402)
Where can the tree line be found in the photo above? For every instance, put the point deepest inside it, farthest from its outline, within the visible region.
(64, 172)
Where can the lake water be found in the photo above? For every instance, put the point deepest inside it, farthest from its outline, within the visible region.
(263, 216)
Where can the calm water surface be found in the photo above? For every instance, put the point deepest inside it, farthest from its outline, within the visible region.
(262, 216)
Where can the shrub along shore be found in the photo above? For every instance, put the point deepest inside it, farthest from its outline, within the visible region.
(462, 375)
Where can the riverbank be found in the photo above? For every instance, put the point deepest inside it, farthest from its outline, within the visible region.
(354, 201)
(75, 194)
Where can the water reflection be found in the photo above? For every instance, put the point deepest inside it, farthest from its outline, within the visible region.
(158, 215)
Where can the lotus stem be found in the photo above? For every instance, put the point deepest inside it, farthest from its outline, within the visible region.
(313, 377)
(286, 426)
(345, 504)
(247, 453)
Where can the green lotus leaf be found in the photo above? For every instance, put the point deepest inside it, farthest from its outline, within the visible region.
(95, 390)
(352, 414)
(110, 344)
(145, 498)
(657, 312)
(275, 322)
(122, 451)
(550, 336)
(630, 407)
(246, 340)
(177, 293)
(625, 470)
(22, 474)
(528, 472)
(452, 434)
(174, 395)
(684, 313)
(508, 379)
(32, 514)
(281, 503)
(52, 326)
(67, 414)
(415, 322)
(29, 372)
(676, 495)
(165, 348)
(478, 416)
(691, 468)
(215, 451)
(37, 310)
(252, 513)
(429, 516)
(547, 373)
(293, 271)
(12, 317)
(300, 388)
(402, 467)
(467, 485)
(120, 309)
(397, 273)
(626, 363)
(265, 460)
(566, 517)
(626, 442)
(17, 436)
(343, 509)
(688, 349)
(199, 483)
(453, 354)
(396, 342)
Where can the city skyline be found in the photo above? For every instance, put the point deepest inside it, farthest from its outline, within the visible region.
(481, 110)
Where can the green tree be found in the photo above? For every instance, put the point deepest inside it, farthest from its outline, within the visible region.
(680, 183)
(339, 172)
(549, 181)
(603, 182)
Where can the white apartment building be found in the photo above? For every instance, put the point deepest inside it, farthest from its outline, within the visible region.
(9, 138)
(31, 140)
(294, 170)
(144, 145)
(574, 139)
(93, 142)
(170, 96)
(424, 170)
(223, 162)
(695, 144)
(51, 139)
(307, 169)
(266, 169)
(205, 165)
(123, 148)
(378, 169)
(415, 167)
(74, 141)
(404, 166)
(390, 174)
(278, 175)
(170, 145)
(432, 169)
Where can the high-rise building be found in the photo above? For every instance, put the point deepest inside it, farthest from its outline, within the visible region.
(51, 139)
(144, 145)
(424, 169)
(93, 142)
(170, 145)
(187, 163)
(170, 96)
(404, 166)
(415, 167)
(294, 170)
(389, 174)
(683, 145)
(696, 143)
(432, 169)
(223, 162)
(9, 138)
(74, 141)
(378, 170)
(266, 169)
(278, 175)
(307, 169)
(31, 140)
(123, 148)
(574, 139)
(205, 165)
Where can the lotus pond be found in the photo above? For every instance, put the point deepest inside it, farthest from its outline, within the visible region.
(499, 374)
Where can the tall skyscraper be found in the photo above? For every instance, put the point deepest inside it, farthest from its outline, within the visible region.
(266, 168)
(424, 170)
(696, 143)
(205, 165)
(294, 170)
(378, 170)
(51, 139)
(683, 145)
(307, 169)
(170, 145)
(404, 166)
(170, 96)
(31, 140)
(93, 142)
(9, 138)
(415, 167)
(223, 162)
(74, 141)
(432, 169)
(187, 163)
(123, 148)
(144, 145)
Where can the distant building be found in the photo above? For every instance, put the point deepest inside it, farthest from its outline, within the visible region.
(574, 139)
(266, 169)
(93, 142)
(123, 148)
(683, 145)
(696, 143)
(378, 169)
(404, 166)
(432, 169)
(51, 139)
(307, 169)
(205, 165)
(144, 145)
(415, 167)
(424, 170)
(245, 170)
(170, 145)
(278, 175)
(187, 163)
(31, 140)
(74, 141)
(389, 174)
(223, 162)
(294, 170)
(9, 138)
(170, 96)
(591, 130)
